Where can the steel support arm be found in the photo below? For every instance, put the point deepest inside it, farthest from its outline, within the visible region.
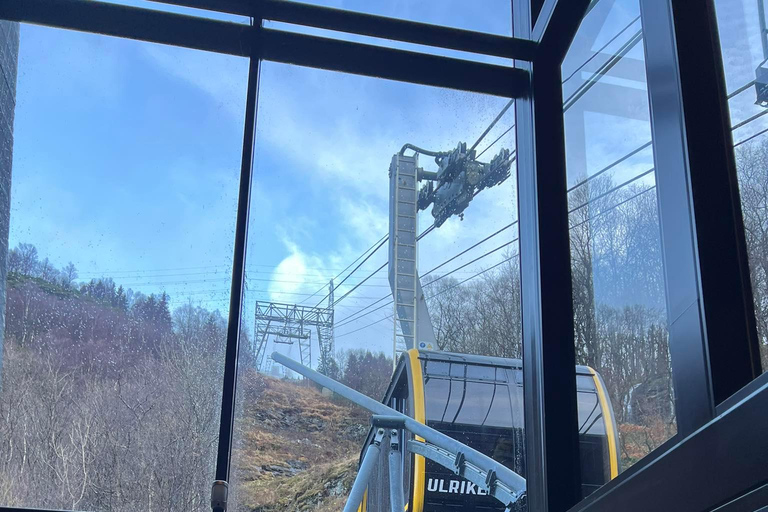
(503, 474)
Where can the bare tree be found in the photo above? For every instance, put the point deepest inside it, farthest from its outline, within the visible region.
(752, 164)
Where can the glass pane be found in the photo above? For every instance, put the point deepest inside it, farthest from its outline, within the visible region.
(158, 5)
(742, 27)
(320, 213)
(618, 288)
(126, 163)
(492, 16)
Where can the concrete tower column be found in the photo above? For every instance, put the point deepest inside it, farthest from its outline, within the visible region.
(9, 57)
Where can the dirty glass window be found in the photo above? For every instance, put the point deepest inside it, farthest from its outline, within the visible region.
(328, 148)
(744, 45)
(619, 299)
(123, 194)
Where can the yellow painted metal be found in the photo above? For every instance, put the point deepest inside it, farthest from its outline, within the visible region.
(610, 425)
(420, 415)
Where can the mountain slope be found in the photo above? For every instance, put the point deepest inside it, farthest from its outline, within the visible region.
(297, 448)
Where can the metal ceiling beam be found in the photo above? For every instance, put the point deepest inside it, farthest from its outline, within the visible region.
(132, 23)
(275, 45)
(352, 22)
(404, 66)
(556, 27)
(544, 12)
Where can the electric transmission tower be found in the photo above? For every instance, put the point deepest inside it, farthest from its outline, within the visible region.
(288, 324)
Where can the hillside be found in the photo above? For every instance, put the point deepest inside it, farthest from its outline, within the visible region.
(108, 393)
(298, 449)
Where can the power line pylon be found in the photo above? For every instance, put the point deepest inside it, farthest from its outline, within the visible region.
(290, 323)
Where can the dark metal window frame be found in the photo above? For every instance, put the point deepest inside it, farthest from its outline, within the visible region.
(708, 288)
(720, 450)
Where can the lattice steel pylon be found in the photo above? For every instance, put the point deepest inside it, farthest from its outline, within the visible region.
(325, 333)
(291, 323)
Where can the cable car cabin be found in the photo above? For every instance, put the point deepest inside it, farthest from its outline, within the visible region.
(478, 400)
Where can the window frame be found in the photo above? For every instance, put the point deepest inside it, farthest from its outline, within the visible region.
(709, 368)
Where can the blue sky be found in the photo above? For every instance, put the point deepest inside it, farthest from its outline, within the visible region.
(127, 156)
(120, 165)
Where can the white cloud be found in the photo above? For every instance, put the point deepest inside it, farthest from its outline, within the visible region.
(367, 222)
(223, 77)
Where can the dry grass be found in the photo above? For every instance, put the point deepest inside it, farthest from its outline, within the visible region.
(288, 427)
(324, 487)
(637, 441)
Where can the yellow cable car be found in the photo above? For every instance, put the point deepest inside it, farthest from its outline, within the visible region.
(478, 400)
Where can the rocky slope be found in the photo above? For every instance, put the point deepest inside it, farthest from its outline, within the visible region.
(297, 448)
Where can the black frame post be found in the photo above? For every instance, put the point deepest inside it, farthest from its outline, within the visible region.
(712, 335)
(549, 358)
(229, 392)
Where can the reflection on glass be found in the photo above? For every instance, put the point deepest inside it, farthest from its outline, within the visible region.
(332, 164)
(744, 43)
(492, 16)
(124, 194)
(618, 291)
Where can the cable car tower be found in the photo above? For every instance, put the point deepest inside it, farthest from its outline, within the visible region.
(410, 308)
(459, 179)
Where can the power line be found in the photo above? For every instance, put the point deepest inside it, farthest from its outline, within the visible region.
(599, 52)
(750, 137)
(610, 166)
(122, 280)
(741, 89)
(357, 316)
(581, 90)
(422, 235)
(749, 120)
(345, 269)
(602, 70)
(649, 143)
(471, 262)
(214, 269)
(472, 277)
(601, 212)
(351, 320)
(497, 140)
(274, 292)
(470, 248)
(377, 246)
(364, 327)
(493, 123)
(612, 190)
(361, 283)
